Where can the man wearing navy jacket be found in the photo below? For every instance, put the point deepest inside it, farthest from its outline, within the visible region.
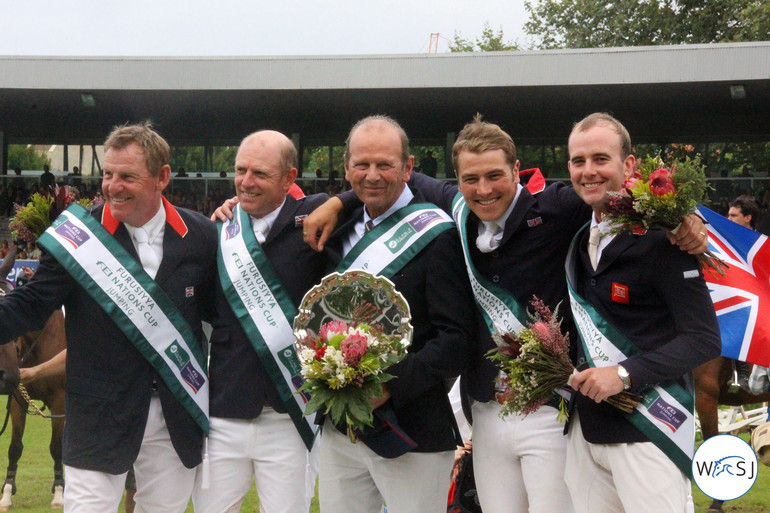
(357, 478)
(123, 410)
(646, 320)
(253, 436)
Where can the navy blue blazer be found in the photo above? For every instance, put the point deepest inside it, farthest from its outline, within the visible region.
(663, 310)
(443, 317)
(240, 386)
(109, 383)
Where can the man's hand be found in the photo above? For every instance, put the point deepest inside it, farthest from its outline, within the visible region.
(598, 383)
(225, 212)
(691, 236)
(317, 227)
(379, 401)
(27, 375)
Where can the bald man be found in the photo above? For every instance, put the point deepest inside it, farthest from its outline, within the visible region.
(258, 428)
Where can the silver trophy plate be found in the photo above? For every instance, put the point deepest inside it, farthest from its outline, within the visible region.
(354, 297)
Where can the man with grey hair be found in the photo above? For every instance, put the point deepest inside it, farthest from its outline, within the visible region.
(258, 430)
(405, 460)
(136, 277)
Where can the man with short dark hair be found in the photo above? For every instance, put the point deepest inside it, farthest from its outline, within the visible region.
(744, 211)
(645, 319)
(136, 277)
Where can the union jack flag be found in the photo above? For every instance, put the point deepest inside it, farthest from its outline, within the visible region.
(741, 297)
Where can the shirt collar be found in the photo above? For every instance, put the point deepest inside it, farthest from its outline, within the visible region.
(153, 227)
(270, 218)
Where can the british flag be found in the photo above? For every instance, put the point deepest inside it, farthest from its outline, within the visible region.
(741, 297)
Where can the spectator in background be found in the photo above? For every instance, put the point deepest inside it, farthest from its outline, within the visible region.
(47, 179)
(429, 165)
(33, 252)
(4, 249)
(744, 211)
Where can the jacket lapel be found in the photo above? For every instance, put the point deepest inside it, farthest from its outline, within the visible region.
(619, 244)
(520, 209)
(284, 221)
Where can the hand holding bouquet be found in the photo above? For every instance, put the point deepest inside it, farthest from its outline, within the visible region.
(344, 368)
(536, 364)
(656, 196)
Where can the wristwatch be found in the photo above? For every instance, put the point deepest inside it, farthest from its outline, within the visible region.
(624, 377)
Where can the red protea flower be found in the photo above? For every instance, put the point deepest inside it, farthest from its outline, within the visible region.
(661, 182)
(353, 348)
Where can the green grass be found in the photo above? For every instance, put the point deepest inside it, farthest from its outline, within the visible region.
(35, 476)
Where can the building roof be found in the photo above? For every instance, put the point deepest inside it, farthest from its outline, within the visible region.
(661, 93)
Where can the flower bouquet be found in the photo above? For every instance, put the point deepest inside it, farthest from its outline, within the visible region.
(350, 329)
(32, 219)
(656, 196)
(536, 364)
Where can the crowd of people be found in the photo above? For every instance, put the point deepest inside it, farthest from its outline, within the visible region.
(140, 274)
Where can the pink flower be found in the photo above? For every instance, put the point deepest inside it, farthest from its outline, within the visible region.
(353, 348)
(661, 182)
(333, 328)
(541, 330)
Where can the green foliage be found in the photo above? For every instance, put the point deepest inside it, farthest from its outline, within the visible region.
(317, 157)
(595, 24)
(193, 160)
(490, 41)
(23, 157)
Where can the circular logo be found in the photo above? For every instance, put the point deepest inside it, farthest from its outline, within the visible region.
(724, 467)
(392, 244)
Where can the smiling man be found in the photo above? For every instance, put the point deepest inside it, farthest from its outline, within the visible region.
(405, 460)
(646, 309)
(136, 277)
(258, 430)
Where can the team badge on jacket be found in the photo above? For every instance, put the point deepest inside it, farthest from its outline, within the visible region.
(619, 293)
(298, 220)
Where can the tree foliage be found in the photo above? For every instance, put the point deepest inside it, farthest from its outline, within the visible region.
(490, 41)
(595, 23)
(23, 157)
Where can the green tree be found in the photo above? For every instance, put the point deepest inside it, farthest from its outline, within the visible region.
(594, 23)
(188, 157)
(490, 41)
(23, 157)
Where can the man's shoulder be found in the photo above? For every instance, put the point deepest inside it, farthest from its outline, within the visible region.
(196, 221)
(311, 202)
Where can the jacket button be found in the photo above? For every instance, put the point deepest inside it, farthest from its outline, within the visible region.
(593, 281)
(496, 278)
(495, 254)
